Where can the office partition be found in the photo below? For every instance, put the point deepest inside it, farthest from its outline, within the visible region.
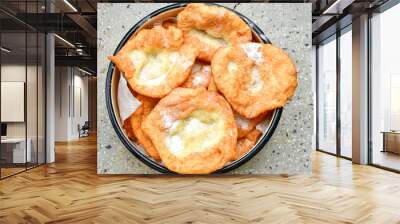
(23, 87)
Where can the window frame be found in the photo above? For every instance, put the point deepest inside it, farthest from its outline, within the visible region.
(334, 37)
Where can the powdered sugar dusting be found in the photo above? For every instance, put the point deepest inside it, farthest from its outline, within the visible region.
(221, 13)
(186, 63)
(167, 120)
(241, 121)
(194, 125)
(206, 68)
(232, 67)
(173, 57)
(253, 51)
(198, 80)
(174, 143)
(256, 82)
(263, 126)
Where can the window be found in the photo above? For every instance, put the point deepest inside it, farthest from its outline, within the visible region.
(346, 75)
(327, 96)
(385, 89)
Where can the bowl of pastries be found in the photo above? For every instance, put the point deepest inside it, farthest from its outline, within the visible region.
(209, 84)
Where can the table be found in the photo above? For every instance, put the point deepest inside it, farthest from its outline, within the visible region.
(17, 149)
(391, 141)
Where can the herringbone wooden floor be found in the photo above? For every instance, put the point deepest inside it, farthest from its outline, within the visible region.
(70, 191)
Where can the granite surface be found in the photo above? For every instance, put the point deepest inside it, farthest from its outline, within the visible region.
(286, 25)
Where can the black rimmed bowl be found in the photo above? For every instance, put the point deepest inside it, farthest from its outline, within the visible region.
(112, 81)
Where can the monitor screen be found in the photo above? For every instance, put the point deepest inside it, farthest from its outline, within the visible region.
(3, 129)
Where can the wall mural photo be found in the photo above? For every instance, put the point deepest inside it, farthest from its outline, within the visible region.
(193, 88)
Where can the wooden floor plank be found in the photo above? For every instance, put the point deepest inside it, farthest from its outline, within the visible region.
(70, 191)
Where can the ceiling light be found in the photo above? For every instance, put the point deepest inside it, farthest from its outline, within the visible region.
(84, 71)
(5, 50)
(65, 41)
(80, 51)
(326, 11)
(70, 5)
(338, 6)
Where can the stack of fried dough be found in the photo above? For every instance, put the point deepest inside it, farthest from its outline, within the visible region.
(204, 84)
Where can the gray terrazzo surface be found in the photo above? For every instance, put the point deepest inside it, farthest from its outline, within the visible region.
(286, 25)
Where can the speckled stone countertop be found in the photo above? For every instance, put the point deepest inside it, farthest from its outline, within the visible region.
(286, 25)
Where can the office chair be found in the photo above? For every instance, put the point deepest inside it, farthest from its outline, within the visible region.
(84, 130)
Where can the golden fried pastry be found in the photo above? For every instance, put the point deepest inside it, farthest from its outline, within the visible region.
(211, 85)
(169, 22)
(245, 125)
(128, 128)
(193, 130)
(254, 77)
(136, 120)
(208, 28)
(155, 61)
(246, 143)
(199, 77)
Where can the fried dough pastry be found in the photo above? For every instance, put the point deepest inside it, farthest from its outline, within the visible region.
(169, 22)
(128, 128)
(155, 61)
(245, 125)
(193, 130)
(200, 76)
(254, 77)
(208, 28)
(246, 143)
(136, 120)
(211, 85)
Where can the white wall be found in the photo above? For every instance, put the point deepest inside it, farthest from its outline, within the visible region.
(70, 83)
(33, 126)
(16, 72)
(79, 117)
(62, 80)
(12, 73)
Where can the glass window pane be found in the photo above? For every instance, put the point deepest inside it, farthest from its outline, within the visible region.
(31, 97)
(327, 97)
(346, 94)
(385, 89)
(13, 87)
(41, 98)
(23, 87)
(32, 87)
(314, 76)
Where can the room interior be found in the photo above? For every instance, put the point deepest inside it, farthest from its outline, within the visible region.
(25, 66)
(22, 102)
(334, 91)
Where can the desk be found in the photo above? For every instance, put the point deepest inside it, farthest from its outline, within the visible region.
(391, 141)
(16, 147)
